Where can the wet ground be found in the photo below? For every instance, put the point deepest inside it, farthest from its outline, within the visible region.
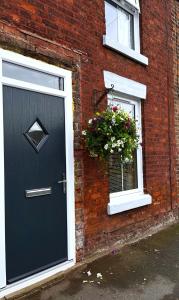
(146, 270)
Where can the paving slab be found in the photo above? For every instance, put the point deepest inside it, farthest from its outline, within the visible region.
(145, 270)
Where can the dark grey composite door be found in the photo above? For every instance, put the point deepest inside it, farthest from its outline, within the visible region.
(34, 147)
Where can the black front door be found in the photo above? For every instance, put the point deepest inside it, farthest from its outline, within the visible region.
(35, 203)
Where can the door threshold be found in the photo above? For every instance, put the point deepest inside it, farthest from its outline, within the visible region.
(27, 282)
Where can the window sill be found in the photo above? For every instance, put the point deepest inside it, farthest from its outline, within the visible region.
(124, 50)
(127, 202)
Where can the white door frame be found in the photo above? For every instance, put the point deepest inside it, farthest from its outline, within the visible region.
(21, 60)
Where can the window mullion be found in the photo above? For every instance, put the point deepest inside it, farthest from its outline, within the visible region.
(118, 24)
(122, 177)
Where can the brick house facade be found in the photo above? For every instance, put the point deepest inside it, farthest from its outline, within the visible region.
(69, 35)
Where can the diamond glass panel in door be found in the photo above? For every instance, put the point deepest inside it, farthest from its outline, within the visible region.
(123, 176)
(37, 135)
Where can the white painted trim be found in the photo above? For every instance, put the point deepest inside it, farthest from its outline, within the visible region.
(114, 196)
(134, 3)
(133, 54)
(32, 87)
(2, 202)
(70, 170)
(141, 58)
(14, 287)
(139, 150)
(67, 95)
(126, 203)
(125, 85)
(128, 5)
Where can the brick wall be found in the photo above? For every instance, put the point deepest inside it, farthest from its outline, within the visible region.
(175, 20)
(69, 34)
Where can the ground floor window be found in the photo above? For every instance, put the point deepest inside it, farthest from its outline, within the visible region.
(126, 179)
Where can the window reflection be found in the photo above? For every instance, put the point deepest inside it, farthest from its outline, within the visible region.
(33, 76)
(37, 135)
(122, 176)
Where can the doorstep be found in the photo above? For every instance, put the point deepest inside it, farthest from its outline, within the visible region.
(34, 290)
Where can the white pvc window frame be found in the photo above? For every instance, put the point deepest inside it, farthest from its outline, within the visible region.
(116, 45)
(27, 62)
(134, 92)
(134, 3)
(133, 23)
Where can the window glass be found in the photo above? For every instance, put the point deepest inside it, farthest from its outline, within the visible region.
(129, 171)
(123, 176)
(37, 135)
(33, 76)
(125, 28)
(119, 24)
(111, 21)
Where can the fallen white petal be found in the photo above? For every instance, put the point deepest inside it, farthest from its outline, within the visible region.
(99, 275)
(89, 273)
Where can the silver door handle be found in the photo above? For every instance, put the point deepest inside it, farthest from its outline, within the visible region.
(61, 181)
(64, 185)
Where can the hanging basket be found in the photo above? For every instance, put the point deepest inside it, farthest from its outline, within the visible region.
(109, 132)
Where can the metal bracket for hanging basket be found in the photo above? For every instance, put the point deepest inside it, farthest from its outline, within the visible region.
(99, 95)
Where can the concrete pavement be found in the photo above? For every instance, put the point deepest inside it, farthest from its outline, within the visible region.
(146, 270)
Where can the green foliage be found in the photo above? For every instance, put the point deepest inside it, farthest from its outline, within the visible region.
(111, 131)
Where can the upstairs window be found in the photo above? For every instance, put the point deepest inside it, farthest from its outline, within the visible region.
(122, 28)
(119, 24)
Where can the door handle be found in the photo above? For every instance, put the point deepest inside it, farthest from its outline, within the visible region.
(61, 181)
(64, 181)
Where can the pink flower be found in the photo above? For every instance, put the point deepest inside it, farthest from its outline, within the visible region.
(114, 108)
